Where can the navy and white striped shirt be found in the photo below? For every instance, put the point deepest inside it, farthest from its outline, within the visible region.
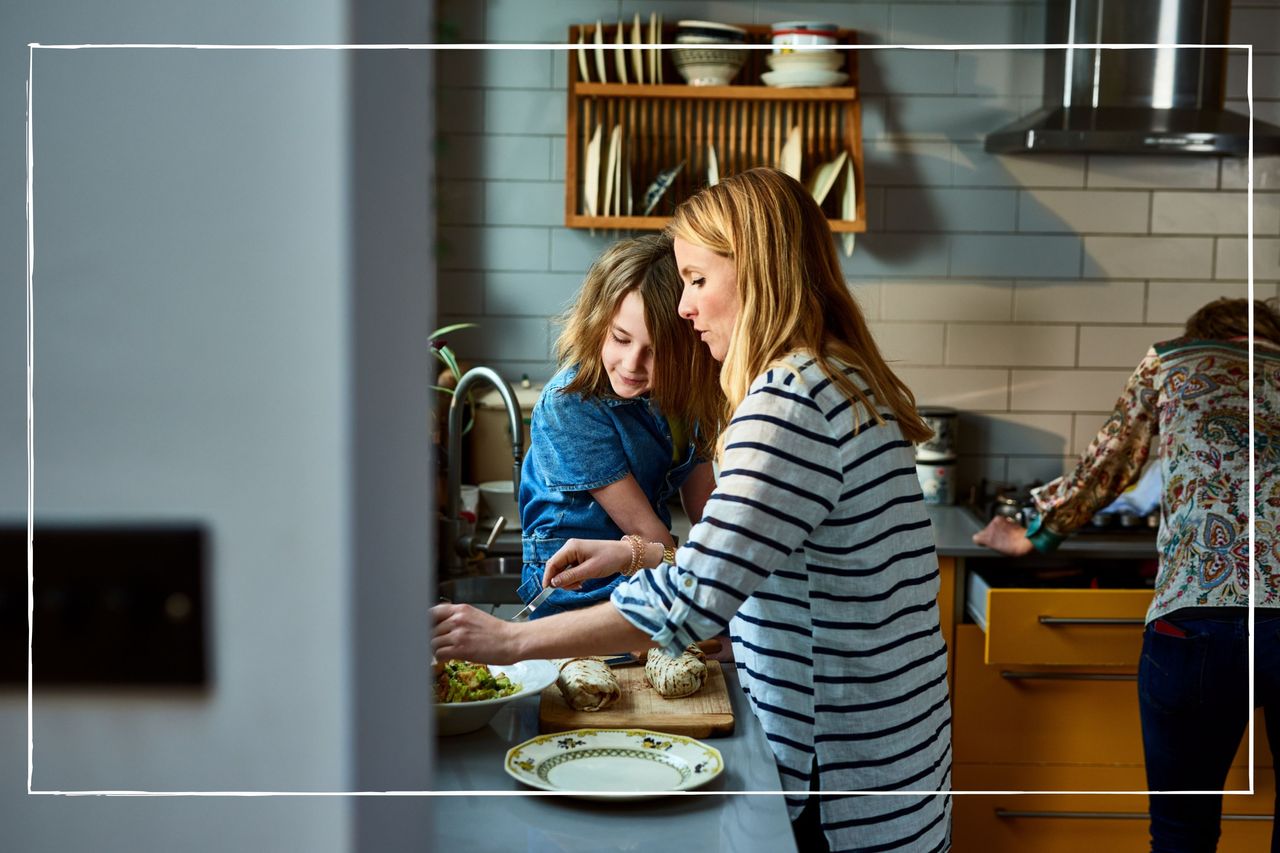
(815, 553)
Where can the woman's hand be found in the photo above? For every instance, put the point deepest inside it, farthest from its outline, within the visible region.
(464, 633)
(582, 559)
(1004, 536)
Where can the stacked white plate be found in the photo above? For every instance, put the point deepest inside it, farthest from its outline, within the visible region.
(804, 68)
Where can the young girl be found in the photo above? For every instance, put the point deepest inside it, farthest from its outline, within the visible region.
(627, 421)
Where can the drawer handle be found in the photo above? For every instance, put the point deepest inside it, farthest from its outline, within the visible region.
(1092, 620)
(1014, 675)
(1012, 814)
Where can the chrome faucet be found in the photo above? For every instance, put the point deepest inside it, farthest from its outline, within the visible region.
(459, 548)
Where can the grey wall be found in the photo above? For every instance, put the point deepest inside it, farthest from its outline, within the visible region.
(232, 290)
(1021, 290)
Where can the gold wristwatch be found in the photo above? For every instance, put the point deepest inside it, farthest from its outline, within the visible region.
(669, 555)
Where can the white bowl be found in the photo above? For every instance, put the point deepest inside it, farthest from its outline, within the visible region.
(825, 26)
(827, 60)
(803, 78)
(785, 41)
(710, 31)
(498, 498)
(533, 676)
(707, 66)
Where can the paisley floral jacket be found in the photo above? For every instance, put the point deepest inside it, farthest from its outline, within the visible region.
(1189, 400)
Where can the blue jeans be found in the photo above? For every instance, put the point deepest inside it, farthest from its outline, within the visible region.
(1192, 694)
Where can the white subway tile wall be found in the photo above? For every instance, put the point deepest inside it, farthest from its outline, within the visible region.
(1011, 346)
(1120, 346)
(1021, 290)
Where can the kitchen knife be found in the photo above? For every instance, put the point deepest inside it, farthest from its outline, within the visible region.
(708, 647)
(523, 615)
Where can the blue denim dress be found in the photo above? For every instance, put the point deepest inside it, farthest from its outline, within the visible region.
(581, 443)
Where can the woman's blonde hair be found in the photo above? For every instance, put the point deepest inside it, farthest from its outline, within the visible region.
(685, 381)
(1229, 318)
(792, 293)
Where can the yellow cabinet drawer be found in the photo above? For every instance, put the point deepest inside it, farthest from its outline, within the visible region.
(1053, 715)
(1059, 627)
(1049, 823)
(1041, 714)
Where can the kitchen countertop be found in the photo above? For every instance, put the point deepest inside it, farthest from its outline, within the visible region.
(954, 526)
(520, 818)
(536, 821)
(953, 529)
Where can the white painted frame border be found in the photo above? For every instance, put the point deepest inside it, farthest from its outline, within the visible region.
(34, 46)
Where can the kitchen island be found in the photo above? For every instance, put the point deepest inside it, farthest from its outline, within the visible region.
(517, 817)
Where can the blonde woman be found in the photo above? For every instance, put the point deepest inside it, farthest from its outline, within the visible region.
(814, 552)
(624, 425)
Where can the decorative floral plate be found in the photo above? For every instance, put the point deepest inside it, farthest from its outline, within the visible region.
(614, 764)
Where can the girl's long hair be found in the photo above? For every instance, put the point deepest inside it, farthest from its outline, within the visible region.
(685, 381)
(792, 292)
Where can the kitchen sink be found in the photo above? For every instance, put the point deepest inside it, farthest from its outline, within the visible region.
(492, 580)
(491, 566)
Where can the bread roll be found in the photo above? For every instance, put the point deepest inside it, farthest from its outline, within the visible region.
(676, 677)
(588, 684)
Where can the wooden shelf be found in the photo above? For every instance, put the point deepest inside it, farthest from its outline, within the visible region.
(657, 223)
(669, 91)
(662, 125)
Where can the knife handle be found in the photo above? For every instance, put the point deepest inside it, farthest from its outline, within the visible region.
(709, 647)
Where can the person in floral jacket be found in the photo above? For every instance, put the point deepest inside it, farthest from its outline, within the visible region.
(1189, 400)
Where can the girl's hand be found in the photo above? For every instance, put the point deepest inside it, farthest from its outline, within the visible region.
(583, 559)
(464, 633)
(1004, 536)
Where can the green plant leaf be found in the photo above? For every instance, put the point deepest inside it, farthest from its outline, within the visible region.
(446, 355)
(448, 391)
(447, 329)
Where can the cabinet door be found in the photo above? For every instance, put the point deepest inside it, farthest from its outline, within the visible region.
(1055, 715)
(947, 602)
(1049, 823)
(1042, 714)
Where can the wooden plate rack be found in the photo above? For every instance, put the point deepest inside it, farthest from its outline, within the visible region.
(747, 123)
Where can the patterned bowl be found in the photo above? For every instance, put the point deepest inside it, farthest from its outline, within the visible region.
(708, 66)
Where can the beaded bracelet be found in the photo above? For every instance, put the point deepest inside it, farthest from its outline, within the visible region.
(637, 552)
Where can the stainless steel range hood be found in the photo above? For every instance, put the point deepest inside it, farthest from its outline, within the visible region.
(1135, 101)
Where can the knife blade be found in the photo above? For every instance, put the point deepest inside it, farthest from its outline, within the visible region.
(708, 647)
(523, 615)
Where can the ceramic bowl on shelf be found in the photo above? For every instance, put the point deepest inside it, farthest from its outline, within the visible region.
(709, 32)
(788, 35)
(803, 78)
(823, 26)
(708, 66)
(827, 60)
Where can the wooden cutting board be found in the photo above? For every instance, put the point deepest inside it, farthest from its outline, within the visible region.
(706, 713)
